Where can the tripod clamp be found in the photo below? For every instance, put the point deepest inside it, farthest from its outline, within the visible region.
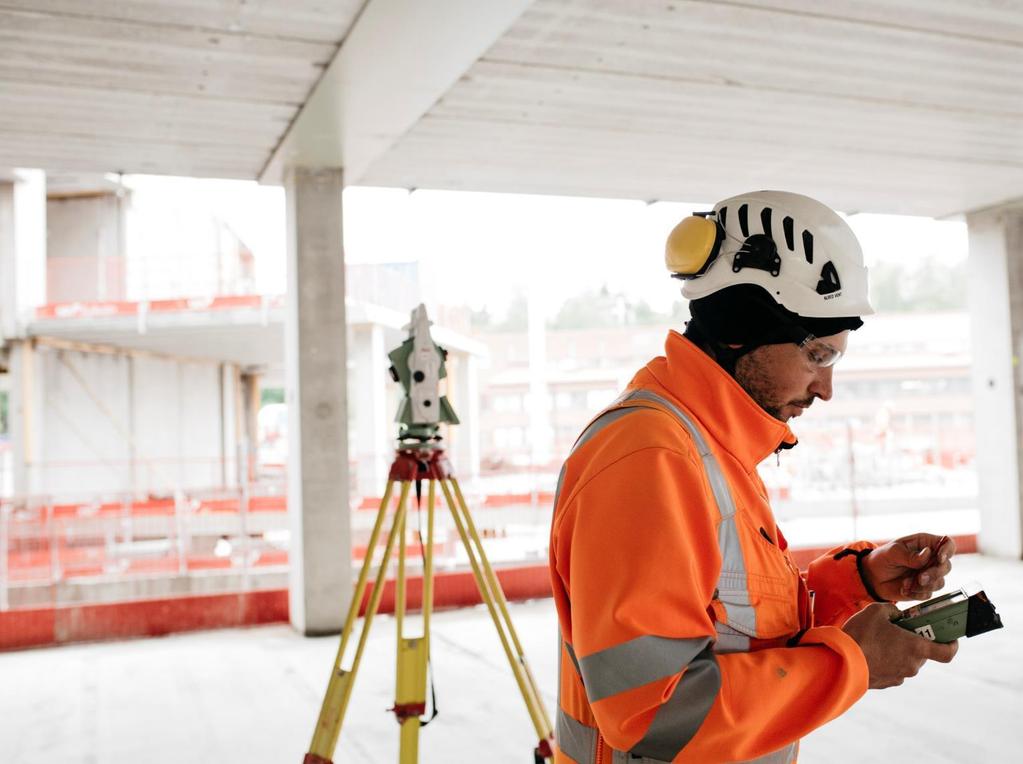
(407, 710)
(415, 464)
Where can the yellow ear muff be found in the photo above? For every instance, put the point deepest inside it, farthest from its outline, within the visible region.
(692, 246)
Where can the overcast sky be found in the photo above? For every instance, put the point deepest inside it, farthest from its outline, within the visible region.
(479, 249)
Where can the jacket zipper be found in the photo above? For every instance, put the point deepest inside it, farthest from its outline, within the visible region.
(600, 750)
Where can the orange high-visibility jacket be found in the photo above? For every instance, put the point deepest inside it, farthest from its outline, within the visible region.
(688, 633)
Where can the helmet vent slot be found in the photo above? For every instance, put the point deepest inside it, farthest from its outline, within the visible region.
(765, 220)
(790, 234)
(808, 246)
(744, 220)
(829, 283)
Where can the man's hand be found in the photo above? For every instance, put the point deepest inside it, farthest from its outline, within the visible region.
(908, 568)
(892, 653)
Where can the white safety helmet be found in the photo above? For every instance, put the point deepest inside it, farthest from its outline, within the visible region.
(801, 252)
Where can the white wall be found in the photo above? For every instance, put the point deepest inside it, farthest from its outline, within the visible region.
(117, 423)
(80, 448)
(85, 248)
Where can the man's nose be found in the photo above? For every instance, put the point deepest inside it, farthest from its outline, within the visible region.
(821, 386)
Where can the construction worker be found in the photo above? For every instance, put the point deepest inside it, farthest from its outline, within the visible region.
(688, 633)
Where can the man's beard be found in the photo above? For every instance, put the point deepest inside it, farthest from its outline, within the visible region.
(750, 375)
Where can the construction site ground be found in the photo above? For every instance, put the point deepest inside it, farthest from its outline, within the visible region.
(252, 695)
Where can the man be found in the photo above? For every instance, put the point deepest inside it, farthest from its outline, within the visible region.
(688, 634)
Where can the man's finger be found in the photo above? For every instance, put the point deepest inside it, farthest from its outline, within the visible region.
(943, 652)
(902, 554)
(932, 578)
(946, 551)
(889, 610)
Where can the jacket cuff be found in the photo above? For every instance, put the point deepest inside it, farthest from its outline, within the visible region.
(864, 579)
(840, 588)
(857, 672)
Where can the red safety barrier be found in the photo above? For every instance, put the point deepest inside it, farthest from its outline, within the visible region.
(78, 623)
(148, 618)
(143, 618)
(458, 588)
(97, 309)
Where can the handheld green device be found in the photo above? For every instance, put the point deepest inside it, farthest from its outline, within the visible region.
(950, 617)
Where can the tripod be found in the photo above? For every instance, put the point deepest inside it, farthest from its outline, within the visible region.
(414, 463)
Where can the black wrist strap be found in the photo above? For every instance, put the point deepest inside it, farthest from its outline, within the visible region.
(860, 555)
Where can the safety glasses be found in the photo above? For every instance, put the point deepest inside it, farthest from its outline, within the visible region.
(819, 353)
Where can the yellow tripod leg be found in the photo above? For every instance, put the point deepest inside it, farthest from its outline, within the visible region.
(339, 688)
(487, 583)
(545, 730)
(413, 653)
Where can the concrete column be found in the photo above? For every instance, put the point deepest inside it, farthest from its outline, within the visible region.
(463, 391)
(375, 431)
(22, 288)
(315, 351)
(232, 439)
(22, 248)
(541, 434)
(996, 310)
(248, 427)
(25, 418)
(8, 262)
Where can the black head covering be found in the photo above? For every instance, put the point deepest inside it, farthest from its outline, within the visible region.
(747, 315)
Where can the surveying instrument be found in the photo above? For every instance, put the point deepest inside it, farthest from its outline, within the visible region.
(418, 364)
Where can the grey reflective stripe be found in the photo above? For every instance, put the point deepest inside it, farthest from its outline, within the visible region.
(729, 640)
(561, 479)
(635, 663)
(678, 720)
(603, 420)
(575, 739)
(575, 661)
(733, 580)
(784, 755)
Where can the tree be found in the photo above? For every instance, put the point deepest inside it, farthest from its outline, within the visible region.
(515, 320)
(924, 286)
(599, 308)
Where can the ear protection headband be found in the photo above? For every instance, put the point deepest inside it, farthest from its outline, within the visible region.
(695, 243)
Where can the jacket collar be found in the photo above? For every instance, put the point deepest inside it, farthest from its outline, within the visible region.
(724, 410)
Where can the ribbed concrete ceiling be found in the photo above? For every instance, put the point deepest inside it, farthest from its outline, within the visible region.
(911, 106)
(193, 87)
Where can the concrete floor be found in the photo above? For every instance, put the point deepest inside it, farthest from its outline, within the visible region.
(253, 695)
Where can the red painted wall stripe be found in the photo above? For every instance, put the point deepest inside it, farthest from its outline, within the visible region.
(142, 618)
(148, 618)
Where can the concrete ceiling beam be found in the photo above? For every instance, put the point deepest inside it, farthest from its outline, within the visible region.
(399, 59)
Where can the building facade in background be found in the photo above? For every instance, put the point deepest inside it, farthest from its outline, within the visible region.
(896, 441)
